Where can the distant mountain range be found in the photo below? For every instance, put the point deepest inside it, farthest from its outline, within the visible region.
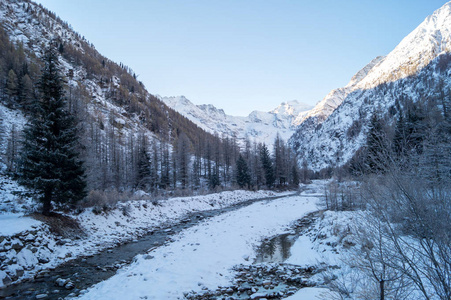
(257, 126)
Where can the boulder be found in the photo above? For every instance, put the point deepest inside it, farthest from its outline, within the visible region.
(69, 285)
(16, 244)
(61, 282)
(27, 258)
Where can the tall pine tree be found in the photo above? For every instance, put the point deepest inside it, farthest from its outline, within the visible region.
(267, 166)
(50, 164)
(243, 179)
(376, 146)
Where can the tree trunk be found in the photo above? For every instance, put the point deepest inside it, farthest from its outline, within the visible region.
(47, 203)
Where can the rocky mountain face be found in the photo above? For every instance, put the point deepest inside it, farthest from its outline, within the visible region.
(417, 69)
(259, 126)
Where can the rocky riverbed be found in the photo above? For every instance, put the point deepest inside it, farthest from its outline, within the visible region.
(269, 277)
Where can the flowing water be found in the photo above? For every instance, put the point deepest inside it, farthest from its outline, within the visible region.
(87, 271)
(277, 248)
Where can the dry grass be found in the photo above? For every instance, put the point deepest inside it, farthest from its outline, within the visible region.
(61, 225)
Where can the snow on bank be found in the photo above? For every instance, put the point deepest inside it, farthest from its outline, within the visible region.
(126, 222)
(310, 294)
(134, 218)
(11, 224)
(202, 256)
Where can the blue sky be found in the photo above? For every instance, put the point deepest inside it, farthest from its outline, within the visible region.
(244, 55)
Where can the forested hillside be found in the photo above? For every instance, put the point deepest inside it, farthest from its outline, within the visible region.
(128, 139)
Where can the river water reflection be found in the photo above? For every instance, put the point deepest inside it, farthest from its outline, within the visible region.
(277, 249)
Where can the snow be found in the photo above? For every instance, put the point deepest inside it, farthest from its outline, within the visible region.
(203, 255)
(142, 215)
(303, 254)
(26, 258)
(258, 126)
(324, 138)
(11, 224)
(309, 294)
(126, 222)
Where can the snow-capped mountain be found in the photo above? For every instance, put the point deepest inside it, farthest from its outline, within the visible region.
(336, 128)
(258, 126)
(326, 106)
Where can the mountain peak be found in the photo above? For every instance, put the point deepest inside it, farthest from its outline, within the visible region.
(431, 38)
(413, 69)
(291, 108)
(258, 125)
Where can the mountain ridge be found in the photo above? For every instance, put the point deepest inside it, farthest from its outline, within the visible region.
(420, 60)
(258, 126)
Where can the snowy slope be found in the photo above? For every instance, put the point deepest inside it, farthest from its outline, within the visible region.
(336, 128)
(35, 28)
(258, 126)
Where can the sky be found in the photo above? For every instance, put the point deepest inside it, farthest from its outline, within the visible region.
(244, 55)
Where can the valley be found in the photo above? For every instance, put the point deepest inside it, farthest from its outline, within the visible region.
(109, 190)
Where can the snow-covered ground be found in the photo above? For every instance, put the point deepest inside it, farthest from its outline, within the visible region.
(203, 256)
(309, 294)
(126, 222)
(11, 224)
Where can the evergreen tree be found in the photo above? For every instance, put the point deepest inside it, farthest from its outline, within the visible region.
(376, 146)
(12, 84)
(182, 159)
(214, 181)
(399, 140)
(143, 176)
(267, 166)
(26, 92)
(415, 128)
(50, 164)
(243, 178)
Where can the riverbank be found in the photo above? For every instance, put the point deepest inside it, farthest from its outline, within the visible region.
(28, 247)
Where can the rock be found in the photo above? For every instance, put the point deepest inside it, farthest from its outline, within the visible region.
(260, 296)
(4, 279)
(30, 237)
(69, 285)
(26, 258)
(41, 296)
(266, 283)
(43, 260)
(16, 244)
(44, 255)
(20, 272)
(61, 282)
